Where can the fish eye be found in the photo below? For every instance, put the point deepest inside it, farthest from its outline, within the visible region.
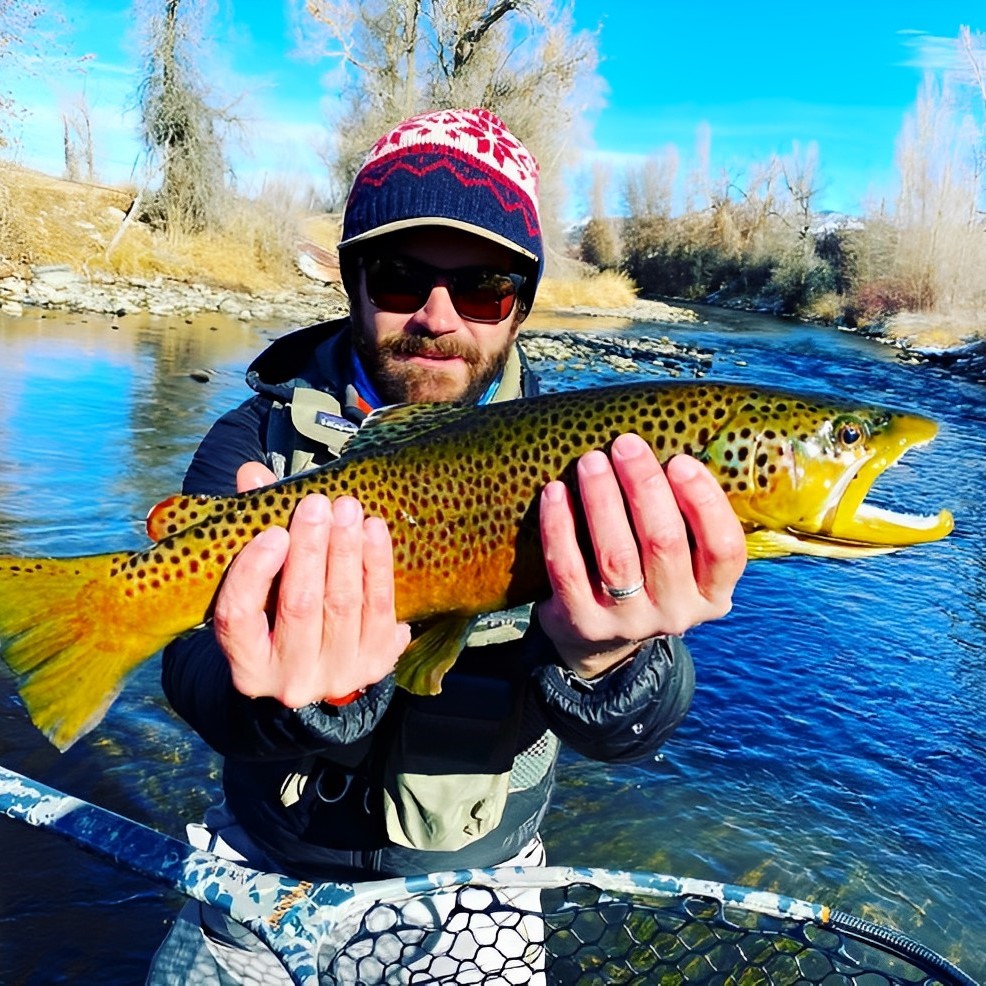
(849, 432)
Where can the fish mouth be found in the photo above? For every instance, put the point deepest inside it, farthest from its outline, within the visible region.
(861, 528)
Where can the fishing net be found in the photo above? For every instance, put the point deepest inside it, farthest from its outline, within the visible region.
(509, 926)
(581, 935)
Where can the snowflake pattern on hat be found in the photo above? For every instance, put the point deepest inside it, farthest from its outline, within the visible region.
(475, 131)
(449, 167)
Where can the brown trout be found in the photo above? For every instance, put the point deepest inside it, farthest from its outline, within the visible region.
(458, 487)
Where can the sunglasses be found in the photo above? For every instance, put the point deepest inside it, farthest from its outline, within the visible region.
(402, 285)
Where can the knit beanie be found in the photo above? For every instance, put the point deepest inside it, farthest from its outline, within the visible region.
(457, 168)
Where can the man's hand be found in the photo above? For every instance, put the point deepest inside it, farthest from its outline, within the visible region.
(334, 630)
(639, 518)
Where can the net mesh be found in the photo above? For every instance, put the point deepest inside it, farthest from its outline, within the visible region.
(579, 935)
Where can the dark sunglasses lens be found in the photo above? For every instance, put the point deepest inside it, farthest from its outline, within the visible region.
(394, 287)
(485, 296)
(478, 294)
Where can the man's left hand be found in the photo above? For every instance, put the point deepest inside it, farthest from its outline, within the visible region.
(670, 528)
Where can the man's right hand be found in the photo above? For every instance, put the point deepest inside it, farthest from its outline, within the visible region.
(327, 626)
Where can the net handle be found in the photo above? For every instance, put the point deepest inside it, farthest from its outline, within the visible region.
(290, 916)
(295, 918)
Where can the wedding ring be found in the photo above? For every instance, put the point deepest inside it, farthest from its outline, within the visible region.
(619, 593)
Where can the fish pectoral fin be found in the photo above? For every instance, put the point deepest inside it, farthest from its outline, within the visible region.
(763, 543)
(427, 659)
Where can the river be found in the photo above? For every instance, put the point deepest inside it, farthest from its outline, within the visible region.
(835, 750)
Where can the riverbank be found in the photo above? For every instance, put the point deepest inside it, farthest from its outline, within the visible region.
(77, 247)
(59, 287)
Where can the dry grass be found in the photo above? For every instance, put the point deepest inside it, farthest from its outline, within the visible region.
(827, 308)
(47, 220)
(927, 330)
(607, 289)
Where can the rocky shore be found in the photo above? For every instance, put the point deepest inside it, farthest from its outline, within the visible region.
(303, 302)
(59, 287)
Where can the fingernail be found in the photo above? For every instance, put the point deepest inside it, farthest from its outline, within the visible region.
(629, 446)
(593, 463)
(375, 529)
(345, 511)
(554, 492)
(270, 539)
(314, 509)
(267, 538)
(686, 467)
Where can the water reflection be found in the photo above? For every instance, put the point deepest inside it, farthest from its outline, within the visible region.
(835, 749)
(93, 404)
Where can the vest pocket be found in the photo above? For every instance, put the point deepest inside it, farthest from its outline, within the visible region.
(447, 772)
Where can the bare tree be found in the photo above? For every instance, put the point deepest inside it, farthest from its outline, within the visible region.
(799, 171)
(180, 125)
(939, 255)
(698, 184)
(522, 59)
(600, 244)
(649, 187)
(77, 137)
(970, 75)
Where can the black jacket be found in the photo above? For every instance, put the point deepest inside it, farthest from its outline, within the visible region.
(307, 785)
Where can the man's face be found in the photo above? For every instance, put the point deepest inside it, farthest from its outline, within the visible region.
(434, 353)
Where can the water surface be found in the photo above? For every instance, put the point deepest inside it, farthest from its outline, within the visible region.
(835, 749)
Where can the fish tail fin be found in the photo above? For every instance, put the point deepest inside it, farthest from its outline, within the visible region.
(70, 640)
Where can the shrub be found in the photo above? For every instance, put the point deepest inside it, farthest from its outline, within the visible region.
(878, 300)
(797, 279)
(608, 289)
(827, 308)
(600, 244)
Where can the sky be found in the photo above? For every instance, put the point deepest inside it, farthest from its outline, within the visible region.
(761, 78)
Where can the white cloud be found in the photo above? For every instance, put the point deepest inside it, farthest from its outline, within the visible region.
(928, 52)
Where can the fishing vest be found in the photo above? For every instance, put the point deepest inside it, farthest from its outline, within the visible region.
(313, 427)
(434, 798)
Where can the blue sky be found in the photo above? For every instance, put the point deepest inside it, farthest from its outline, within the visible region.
(760, 76)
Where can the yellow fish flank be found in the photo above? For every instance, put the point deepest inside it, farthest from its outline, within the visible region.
(458, 487)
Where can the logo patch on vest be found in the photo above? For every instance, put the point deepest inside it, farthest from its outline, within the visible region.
(325, 419)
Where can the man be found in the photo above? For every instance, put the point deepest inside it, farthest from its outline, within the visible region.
(330, 773)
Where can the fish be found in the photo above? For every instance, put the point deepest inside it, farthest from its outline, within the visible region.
(458, 487)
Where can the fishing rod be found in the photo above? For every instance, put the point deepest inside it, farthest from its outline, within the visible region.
(585, 925)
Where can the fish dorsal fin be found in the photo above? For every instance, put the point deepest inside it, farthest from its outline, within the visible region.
(402, 424)
(177, 513)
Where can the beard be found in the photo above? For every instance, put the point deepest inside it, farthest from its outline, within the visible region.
(399, 381)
